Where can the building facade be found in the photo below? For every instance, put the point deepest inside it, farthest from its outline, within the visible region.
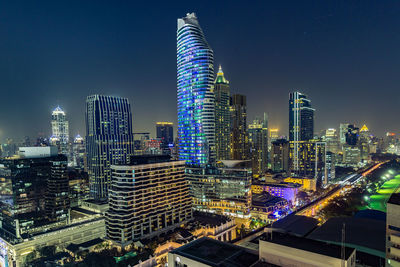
(109, 139)
(165, 133)
(310, 159)
(222, 117)
(393, 231)
(258, 142)
(239, 137)
(79, 153)
(146, 198)
(280, 155)
(196, 100)
(60, 130)
(224, 190)
(34, 191)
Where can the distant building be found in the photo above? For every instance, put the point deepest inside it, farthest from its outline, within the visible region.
(351, 155)
(196, 99)
(222, 116)
(280, 155)
(284, 190)
(79, 153)
(258, 141)
(153, 147)
(109, 139)
(60, 129)
(393, 231)
(224, 190)
(165, 133)
(307, 158)
(343, 129)
(239, 137)
(307, 184)
(332, 141)
(301, 117)
(273, 136)
(162, 207)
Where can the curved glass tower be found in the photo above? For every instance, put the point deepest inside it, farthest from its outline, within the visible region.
(196, 118)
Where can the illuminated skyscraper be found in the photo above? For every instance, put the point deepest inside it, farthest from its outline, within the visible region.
(59, 128)
(301, 122)
(258, 140)
(109, 139)
(222, 116)
(195, 74)
(239, 138)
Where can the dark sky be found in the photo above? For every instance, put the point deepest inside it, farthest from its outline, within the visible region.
(343, 54)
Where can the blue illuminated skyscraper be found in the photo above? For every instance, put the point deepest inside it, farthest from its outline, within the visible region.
(196, 118)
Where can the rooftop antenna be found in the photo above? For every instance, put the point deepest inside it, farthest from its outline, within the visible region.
(343, 250)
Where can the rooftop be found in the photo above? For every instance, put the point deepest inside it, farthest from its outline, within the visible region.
(216, 253)
(149, 159)
(306, 244)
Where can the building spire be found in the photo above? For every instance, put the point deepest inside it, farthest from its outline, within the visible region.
(220, 76)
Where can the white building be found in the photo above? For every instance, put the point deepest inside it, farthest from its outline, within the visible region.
(60, 130)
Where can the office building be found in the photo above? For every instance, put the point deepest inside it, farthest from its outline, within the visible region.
(310, 161)
(301, 117)
(222, 116)
(239, 138)
(393, 230)
(147, 197)
(280, 155)
(352, 135)
(34, 192)
(78, 153)
(332, 140)
(351, 155)
(165, 133)
(60, 130)
(273, 136)
(224, 190)
(109, 139)
(196, 100)
(258, 142)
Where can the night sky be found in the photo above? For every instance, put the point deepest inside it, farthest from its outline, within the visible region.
(343, 54)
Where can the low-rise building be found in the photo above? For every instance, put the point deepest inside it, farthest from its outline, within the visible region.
(393, 231)
(284, 190)
(307, 183)
(288, 250)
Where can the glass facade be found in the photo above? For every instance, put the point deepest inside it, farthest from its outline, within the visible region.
(33, 193)
(195, 80)
(225, 190)
(60, 130)
(109, 139)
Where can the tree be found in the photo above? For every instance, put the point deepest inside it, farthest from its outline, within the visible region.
(47, 251)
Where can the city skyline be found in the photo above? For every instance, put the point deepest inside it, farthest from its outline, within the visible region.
(331, 72)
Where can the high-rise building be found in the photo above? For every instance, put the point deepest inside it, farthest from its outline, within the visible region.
(60, 130)
(301, 117)
(33, 190)
(352, 135)
(258, 141)
(280, 155)
(343, 129)
(165, 133)
(147, 197)
(301, 123)
(222, 117)
(311, 158)
(196, 100)
(225, 189)
(109, 139)
(78, 152)
(332, 141)
(273, 136)
(239, 137)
